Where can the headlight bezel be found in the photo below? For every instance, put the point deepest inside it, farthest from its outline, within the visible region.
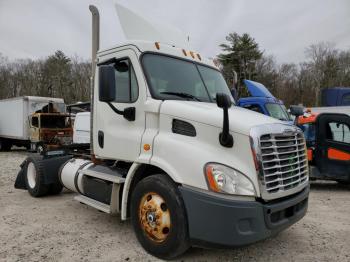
(232, 174)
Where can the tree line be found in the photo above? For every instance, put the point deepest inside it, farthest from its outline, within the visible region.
(325, 67)
(69, 77)
(54, 76)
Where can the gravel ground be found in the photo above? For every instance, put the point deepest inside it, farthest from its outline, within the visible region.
(60, 229)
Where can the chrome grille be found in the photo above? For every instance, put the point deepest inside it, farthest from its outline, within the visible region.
(284, 161)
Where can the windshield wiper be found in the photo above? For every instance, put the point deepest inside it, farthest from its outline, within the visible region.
(183, 95)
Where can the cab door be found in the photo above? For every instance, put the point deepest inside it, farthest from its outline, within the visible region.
(332, 153)
(114, 136)
(34, 130)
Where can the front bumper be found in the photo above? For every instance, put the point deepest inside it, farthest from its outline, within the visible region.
(218, 221)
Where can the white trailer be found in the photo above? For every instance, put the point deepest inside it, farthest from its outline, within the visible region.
(171, 151)
(331, 109)
(81, 128)
(15, 118)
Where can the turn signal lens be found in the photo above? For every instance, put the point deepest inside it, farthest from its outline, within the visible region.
(223, 179)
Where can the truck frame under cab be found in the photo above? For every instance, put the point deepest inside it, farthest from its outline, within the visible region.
(171, 151)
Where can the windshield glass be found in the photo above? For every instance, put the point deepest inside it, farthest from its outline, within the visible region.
(52, 121)
(278, 111)
(309, 133)
(172, 78)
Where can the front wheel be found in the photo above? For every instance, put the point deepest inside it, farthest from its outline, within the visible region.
(158, 217)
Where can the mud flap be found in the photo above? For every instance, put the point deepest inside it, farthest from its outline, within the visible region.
(20, 182)
(51, 166)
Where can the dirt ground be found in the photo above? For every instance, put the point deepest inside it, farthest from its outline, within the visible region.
(60, 229)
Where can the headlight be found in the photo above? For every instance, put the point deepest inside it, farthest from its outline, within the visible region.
(224, 179)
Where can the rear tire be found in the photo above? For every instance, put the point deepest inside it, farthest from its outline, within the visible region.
(5, 145)
(34, 177)
(158, 217)
(55, 189)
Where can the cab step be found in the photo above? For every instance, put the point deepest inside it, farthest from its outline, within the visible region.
(101, 188)
(93, 203)
(105, 173)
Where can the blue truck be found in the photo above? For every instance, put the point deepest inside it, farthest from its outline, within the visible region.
(262, 101)
(336, 96)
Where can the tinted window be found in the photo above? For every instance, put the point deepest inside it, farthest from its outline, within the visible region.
(346, 100)
(35, 121)
(338, 132)
(51, 121)
(126, 83)
(309, 133)
(278, 111)
(255, 108)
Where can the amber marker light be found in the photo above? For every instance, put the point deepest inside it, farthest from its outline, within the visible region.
(210, 178)
(184, 52)
(146, 147)
(157, 45)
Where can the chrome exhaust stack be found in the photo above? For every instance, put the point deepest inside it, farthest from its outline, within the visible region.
(94, 47)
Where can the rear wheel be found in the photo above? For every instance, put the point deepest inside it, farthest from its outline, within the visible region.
(5, 145)
(34, 177)
(55, 189)
(158, 217)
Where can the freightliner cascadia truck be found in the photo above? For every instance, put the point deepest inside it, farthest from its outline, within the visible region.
(172, 152)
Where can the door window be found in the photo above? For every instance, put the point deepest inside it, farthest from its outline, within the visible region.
(255, 108)
(126, 83)
(338, 132)
(346, 100)
(35, 121)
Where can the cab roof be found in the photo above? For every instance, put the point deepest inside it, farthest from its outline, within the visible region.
(143, 46)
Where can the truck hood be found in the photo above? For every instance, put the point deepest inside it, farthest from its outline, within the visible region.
(257, 89)
(241, 120)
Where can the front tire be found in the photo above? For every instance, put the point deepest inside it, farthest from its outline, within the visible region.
(158, 217)
(34, 177)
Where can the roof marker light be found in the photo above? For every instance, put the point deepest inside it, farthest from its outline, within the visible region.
(192, 54)
(184, 52)
(199, 57)
(157, 45)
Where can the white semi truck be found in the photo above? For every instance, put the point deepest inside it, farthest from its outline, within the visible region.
(171, 151)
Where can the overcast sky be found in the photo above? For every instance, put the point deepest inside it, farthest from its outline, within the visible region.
(283, 28)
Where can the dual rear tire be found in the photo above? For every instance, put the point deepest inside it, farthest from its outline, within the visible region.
(34, 179)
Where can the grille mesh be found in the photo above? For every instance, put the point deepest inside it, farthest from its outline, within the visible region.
(284, 161)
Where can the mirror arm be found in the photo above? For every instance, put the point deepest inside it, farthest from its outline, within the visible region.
(128, 113)
(225, 138)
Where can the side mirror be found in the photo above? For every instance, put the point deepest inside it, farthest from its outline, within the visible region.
(224, 101)
(296, 110)
(107, 90)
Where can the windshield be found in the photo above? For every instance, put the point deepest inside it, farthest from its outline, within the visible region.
(52, 121)
(173, 78)
(278, 111)
(309, 133)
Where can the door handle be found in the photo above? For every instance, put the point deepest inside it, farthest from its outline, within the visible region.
(100, 138)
